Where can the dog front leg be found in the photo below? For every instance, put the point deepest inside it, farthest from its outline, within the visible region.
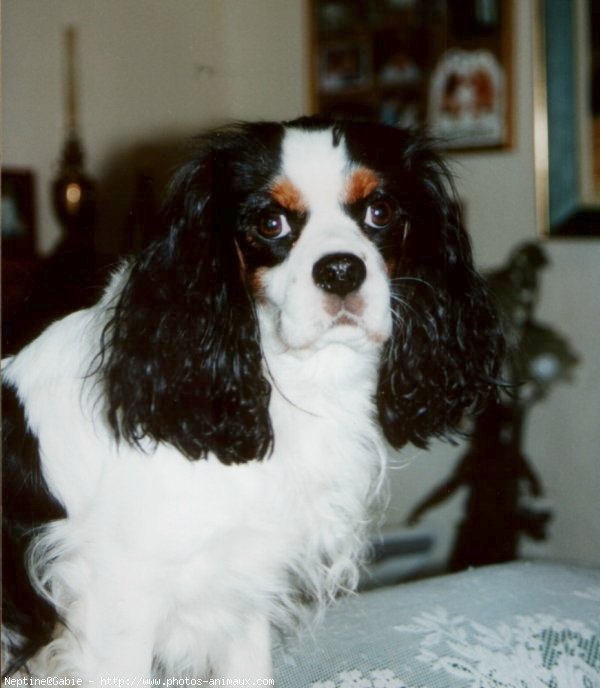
(107, 636)
(248, 655)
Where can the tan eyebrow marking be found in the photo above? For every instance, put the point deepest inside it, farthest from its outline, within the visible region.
(287, 195)
(360, 183)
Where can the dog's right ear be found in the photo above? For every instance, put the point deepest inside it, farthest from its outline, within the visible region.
(182, 356)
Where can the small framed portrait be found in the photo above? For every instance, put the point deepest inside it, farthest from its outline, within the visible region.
(467, 103)
(18, 213)
(338, 15)
(398, 111)
(344, 67)
(475, 18)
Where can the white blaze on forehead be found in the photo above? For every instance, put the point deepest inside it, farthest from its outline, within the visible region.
(319, 177)
(315, 166)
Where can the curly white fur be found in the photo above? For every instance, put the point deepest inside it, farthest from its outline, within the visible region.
(161, 556)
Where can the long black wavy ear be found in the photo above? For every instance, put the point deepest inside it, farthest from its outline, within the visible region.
(446, 347)
(182, 358)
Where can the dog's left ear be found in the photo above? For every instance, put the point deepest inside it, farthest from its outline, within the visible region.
(445, 352)
(182, 359)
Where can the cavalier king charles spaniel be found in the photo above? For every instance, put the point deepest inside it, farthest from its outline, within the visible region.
(191, 459)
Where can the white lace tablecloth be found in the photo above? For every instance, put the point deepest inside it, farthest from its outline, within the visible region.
(520, 625)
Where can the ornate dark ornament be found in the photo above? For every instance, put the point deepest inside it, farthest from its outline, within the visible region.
(502, 486)
(73, 191)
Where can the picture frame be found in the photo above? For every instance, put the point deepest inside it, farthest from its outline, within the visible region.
(566, 120)
(407, 54)
(466, 100)
(344, 67)
(18, 213)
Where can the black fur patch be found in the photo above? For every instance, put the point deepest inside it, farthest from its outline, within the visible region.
(27, 505)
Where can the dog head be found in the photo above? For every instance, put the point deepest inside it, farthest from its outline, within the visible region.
(333, 232)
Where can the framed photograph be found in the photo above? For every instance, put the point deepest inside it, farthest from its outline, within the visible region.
(338, 15)
(18, 213)
(344, 67)
(399, 112)
(472, 18)
(467, 100)
(443, 67)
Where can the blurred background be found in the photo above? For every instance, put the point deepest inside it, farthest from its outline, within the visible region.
(146, 75)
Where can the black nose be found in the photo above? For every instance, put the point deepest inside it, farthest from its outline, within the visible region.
(339, 273)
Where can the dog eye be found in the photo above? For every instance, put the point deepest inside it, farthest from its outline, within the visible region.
(273, 226)
(379, 214)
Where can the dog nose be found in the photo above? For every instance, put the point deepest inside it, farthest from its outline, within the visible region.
(339, 273)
